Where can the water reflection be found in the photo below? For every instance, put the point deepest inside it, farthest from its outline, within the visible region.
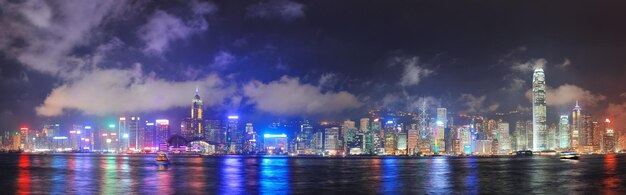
(438, 175)
(109, 175)
(471, 180)
(274, 177)
(231, 175)
(23, 175)
(611, 180)
(59, 163)
(390, 175)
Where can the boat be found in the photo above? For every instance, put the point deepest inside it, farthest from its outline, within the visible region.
(162, 159)
(569, 155)
(524, 153)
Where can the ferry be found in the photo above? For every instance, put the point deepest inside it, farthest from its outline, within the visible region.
(569, 155)
(162, 159)
(524, 153)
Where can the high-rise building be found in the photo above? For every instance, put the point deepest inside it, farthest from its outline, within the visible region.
(162, 133)
(609, 137)
(196, 121)
(412, 140)
(364, 124)
(439, 131)
(214, 132)
(136, 133)
(564, 132)
(465, 139)
(503, 137)
(305, 139)
(233, 135)
(250, 141)
(587, 130)
(577, 125)
(331, 141)
(150, 137)
(122, 134)
(539, 111)
(275, 143)
(318, 142)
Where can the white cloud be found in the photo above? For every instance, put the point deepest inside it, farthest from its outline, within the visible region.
(284, 9)
(530, 65)
(477, 104)
(567, 95)
(288, 96)
(110, 91)
(223, 59)
(413, 73)
(328, 80)
(51, 29)
(565, 63)
(161, 29)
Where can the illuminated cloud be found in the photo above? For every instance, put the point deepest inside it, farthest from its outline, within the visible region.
(413, 73)
(475, 104)
(114, 91)
(288, 96)
(283, 9)
(50, 30)
(567, 95)
(529, 66)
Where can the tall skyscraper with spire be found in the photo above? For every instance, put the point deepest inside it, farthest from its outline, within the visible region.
(577, 124)
(539, 110)
(196, 116)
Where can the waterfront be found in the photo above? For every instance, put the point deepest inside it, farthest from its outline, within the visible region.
(123, 174)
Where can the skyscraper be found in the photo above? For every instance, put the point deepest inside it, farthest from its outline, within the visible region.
(331, 140)
(123, 134)
(162, 133)
(136, 133)
(150, 137)
(439, 133)
(577, 124)
(233, 135)
(564, 133)
(364, 124)
(539, 110)
(196, 121)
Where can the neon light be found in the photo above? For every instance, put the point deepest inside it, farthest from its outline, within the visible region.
(72, 132)
(162, 121)
(122, 118)
(125, 135)
(87, 127)
(59, 137)
(111, 126)
(274, 135)
(104, 134)
(439, 123)
(389, 122)
(150, 124)
(607, 121)
(233, 117)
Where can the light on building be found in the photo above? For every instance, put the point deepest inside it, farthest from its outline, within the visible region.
(111, 126)
(267, 135)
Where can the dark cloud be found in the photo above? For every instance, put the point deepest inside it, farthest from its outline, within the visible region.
(282, 9)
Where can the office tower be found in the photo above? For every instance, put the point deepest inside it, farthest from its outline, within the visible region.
(551, 137)
(187, 129)
(150, 137)
(331, 141)
(364, 125)
(349, 134)
(465, 139)
(250, 141)
(275, 143)
(564, 132)
(598, 133)
(539, 110)
(439, 132)
(609, 137)
(587, 130)
(233, 135)
(214, 132)
(447, 137)
(162, 134)
(122, 134)
(136, 133)
(577, 125)
(318, 142)
(348, 126)
(412, 140)
(305, 139)
(401, 146)
(502, 135)
(196, 121)
(51, 130)
(74, 136)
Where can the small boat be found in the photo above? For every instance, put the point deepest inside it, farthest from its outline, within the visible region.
(162, 159)
(569, 155)
(524, 153)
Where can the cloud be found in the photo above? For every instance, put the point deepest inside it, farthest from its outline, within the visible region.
(477, 104)
(161, 29)
(111, 91)
(41, 34)
(288, 96)
(328, 80)
(567, 95)
(283, 9)
(223, 59)
(617, 112)
(413, 73)
(516, 84)
(565, 63)
(530, 65)
(409, 103)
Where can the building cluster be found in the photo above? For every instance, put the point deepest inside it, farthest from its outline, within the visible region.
(426, 132)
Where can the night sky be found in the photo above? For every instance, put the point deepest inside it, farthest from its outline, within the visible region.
(89, 61)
